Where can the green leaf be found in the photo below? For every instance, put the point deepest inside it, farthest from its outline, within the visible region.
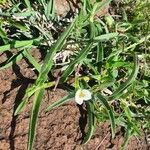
(50, 9)
(61, 101)
(136, 44)
(91, 66)
(21, 106)
(23, 14)
(98, 6)
(110, 113)
(34, 116)
(80, 57)
(19, 26)
(91, 122)
(126, 84)
(48, 61)
(12, 60)
(27, 2)
(3, 35)
(100, 53)
(103, 4)
(127, 137)
(16, 44)
(29, 92)
(32, 60)
(105, 37)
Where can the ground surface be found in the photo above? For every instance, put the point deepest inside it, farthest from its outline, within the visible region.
(60, 129)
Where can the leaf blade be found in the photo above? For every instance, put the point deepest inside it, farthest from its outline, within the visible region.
(128, 82)
(33, 119)
(110, 113)
(91, 123)
(61, 101)
(16, 44)
(78, 59)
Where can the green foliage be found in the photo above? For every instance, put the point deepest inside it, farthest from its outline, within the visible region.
(110, 57)
(91, 123)
(2, 1)
(110, 112)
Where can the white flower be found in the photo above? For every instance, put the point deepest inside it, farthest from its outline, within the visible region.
(82, 95)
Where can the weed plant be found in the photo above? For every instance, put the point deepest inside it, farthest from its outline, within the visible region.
(110, 59)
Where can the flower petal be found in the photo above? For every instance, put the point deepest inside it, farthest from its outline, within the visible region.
(87, 94)
(78, 99)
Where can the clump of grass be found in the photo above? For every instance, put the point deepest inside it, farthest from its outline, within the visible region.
(109, 59)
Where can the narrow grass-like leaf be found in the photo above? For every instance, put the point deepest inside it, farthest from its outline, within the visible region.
(16, 44)
(105, 37)
(34, 115)
(91, 123)
(12, 60)
(43, 3)
(98, 6)
(3, 35)
(29, 92)
(19, 26)
(135, 44)
(22, 14)
(124, 85)
(92, 30)
(103, 4)
(100, 53)
(50, 9)
(61, 101)
(91, 66)
(48, 61)
(80, 57)
(32, 60)
(110, 113)
(21, 106)
(127, 137)
(27, 2)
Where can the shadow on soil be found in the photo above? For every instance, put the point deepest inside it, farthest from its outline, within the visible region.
(23, 82)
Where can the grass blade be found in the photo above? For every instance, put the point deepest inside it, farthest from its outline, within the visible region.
(91, 123)
(16, 44)
(100, 53)
(21, 106)
(20, 26)
(50, 9)
(110, 113)
(32, 60)
(34, 115)
(103, 4)
(23, 14)
(29, 92)
(80, 57)
(48, 61)
(127, 137)
(131, 78)
(18, 57)
(98, 6)
(3, 35)
(142, 40)
(27, 2)
(12, 60)
(61, 101)
(105, 37)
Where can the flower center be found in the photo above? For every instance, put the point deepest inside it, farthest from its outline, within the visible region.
(81, 95)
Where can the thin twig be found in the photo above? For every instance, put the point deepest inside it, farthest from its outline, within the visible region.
(102, 141)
